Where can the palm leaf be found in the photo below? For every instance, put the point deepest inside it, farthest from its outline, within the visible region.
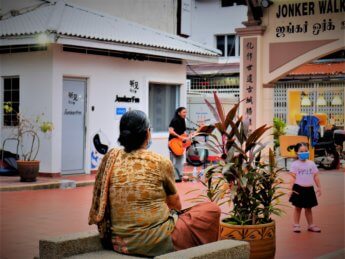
(212, 109)
(251, 141)
(231, 114)
(219, 108)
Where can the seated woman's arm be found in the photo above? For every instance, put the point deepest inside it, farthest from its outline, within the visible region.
(174, 202)
(172, 197)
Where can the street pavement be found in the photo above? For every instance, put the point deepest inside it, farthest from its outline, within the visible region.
(30, 215)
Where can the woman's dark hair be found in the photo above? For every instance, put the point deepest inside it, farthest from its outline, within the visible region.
(178, 110)
(298, 145)
(133, 130)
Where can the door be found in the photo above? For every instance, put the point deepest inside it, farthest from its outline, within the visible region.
(73, 126)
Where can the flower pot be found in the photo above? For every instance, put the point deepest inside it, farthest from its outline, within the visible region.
(28, 170)
(262, 238)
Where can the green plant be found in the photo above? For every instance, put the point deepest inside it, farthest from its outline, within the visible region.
(278, 130)
(26, 133)
(254, 184)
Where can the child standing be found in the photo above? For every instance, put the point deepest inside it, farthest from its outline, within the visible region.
(304, 173)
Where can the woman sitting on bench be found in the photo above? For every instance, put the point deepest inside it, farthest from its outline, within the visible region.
(135, 201)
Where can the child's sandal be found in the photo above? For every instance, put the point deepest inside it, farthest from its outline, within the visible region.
(313, 228)
(297, 228)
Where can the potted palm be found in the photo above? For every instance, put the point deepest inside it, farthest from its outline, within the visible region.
(26, 135)
(253, 184)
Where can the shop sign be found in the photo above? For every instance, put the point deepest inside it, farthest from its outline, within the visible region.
(120, 110)
(320, 17)
(125, 99)
(249, 78)
(133, 86)
(73, 99)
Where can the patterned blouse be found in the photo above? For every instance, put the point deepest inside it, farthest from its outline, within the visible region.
(141, 220)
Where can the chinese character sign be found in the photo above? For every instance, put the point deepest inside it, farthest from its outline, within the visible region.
(249, 78)
(133, 86)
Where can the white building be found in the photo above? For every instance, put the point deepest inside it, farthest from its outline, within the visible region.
(91, 68)
(213, 24)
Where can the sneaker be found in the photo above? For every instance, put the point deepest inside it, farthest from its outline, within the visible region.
(297, 228)
(313, 228)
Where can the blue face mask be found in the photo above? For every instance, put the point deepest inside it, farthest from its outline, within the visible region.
(149, 144)
(303, 155)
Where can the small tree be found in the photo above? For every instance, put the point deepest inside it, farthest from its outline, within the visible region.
(27, 132)
(278, 130)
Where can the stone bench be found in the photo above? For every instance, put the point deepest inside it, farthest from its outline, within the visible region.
(87, 245)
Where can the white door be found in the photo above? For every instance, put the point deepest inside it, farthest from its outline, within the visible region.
(73, 126)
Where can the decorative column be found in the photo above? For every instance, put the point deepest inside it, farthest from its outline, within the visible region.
(251, 72)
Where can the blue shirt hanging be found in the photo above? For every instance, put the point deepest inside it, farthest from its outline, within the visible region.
(309, 126)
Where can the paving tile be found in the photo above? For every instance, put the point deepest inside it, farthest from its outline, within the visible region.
(27, 216)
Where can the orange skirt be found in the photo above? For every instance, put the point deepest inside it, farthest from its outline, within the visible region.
(197, 226)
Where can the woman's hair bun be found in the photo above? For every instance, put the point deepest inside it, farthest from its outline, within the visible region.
(126, 133)
(133, 130)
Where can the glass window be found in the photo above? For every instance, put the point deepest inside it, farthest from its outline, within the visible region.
(231, 45)
(11, 94)
(221, 43)
(163, 101)
(226, 3)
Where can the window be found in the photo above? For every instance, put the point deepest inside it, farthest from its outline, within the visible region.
(229, 45)
(163, 101)
(226, 3)
(11, 94)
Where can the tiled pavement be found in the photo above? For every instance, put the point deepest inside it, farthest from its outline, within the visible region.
(29, 215)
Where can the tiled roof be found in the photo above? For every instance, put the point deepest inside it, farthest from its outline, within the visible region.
(320, 69)
(67, 20)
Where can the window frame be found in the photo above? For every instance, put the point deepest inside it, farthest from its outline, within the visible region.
(177, 104)
(13, 123)
(227, 3)
(225, 37)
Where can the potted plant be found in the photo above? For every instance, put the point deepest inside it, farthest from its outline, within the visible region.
(26, 135)
(253, 183)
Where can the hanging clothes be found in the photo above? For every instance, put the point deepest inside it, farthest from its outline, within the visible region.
(309, 126)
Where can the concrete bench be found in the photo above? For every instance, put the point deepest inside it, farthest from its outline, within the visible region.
(87, 245)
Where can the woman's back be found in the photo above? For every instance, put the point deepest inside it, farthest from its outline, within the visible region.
(140, 217)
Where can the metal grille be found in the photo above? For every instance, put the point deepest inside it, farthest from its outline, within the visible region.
(220, 84)
(313, 90)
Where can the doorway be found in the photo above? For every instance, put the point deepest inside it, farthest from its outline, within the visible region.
(73, 126)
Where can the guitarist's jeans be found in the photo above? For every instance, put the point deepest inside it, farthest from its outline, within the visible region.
(177, 162)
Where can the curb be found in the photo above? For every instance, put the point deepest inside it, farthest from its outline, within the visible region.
(42, 186)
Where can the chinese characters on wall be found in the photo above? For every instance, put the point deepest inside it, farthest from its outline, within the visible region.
(249, 78)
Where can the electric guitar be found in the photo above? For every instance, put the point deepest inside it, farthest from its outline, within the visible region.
(177, 146)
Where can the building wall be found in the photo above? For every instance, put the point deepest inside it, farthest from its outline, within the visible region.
(41, 90)
(210, 19)
(35, 77)
(106, 78)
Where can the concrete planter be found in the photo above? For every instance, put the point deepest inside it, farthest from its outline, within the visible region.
(262, 238)
(28, 170)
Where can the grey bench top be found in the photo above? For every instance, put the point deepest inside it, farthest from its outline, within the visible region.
(86, 245)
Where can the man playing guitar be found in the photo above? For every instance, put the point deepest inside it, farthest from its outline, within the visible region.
(177, 131)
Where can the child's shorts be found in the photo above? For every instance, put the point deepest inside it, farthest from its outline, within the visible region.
(303, 197)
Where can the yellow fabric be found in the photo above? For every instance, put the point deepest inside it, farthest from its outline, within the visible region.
(97, 214)
(139, 185)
